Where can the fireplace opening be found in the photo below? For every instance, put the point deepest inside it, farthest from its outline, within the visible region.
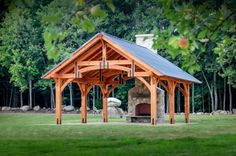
(142, 109)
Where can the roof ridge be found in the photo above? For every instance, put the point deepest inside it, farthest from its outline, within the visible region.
(124, 40)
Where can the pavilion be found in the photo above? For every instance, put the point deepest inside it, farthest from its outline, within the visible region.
(108, 61)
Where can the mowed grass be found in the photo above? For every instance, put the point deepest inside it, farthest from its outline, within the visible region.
(36, 134)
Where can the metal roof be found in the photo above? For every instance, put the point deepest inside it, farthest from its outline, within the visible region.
(155, 61)
(148, 57)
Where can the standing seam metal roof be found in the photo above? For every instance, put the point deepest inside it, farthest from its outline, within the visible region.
(155, 61)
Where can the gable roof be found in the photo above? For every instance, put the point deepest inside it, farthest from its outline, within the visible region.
(155, 61)
(145, 55)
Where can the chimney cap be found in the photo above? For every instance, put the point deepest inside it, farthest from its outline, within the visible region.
(144, 35)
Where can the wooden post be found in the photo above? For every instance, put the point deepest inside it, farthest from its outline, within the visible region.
(153, 94)
(104, 107)
(186, 102)
(58, 101)
(105, 113)
(83, 103)
(172, 101)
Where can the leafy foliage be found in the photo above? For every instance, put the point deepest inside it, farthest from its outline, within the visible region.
(63, 19)
(20, 49)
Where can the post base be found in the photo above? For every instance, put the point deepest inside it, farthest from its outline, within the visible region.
(58, 121)
(172, 121)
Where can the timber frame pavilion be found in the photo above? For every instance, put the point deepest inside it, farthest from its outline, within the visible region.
(108, 61)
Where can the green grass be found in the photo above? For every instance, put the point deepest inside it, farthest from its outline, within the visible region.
(35, 134)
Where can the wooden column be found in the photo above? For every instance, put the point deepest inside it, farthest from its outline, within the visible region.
(58, 101)
(171, 84)
(105, 113)
(104, 106)
(186, 102)
(83, 103)
(153, 99)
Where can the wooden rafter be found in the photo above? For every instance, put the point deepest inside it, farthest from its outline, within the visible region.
(128, 56)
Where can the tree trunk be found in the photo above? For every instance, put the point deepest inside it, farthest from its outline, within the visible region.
(34, 102)
(203, 109)
(94, 93)
(21, 99)
(210, 91)
(220, 100)
(30, 94)
(193, 98)
(230, 99)
(178, 101)
(224, 98)
(209, 104)
(212, 98)
(10, 101)
(113, 93)
(167, 103)
(71, 94)
(215, 91)
(97, 88)
(6, 97)
(52, 96)
(16, 97)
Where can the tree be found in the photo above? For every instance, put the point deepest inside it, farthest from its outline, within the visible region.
(20, 48)
(190, 35)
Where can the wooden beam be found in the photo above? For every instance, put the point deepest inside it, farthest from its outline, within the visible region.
(153, 97)
(142, 74)
(186, 102)
(104, 51)
(104, 108)
(172, 85)
(181, 90)
(132, 70)
(129, 56)
(112, 88)
(65, 84)
(76, 55)
(70, 66)
(76, 69)
(63, 76)
(166, 87)
(166, 78)
(83, 103)
(145, 83)
(92, 53)
(97, 63)
(58, 101)
(115, 67)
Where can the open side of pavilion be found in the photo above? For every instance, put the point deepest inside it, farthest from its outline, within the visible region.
(108, 61)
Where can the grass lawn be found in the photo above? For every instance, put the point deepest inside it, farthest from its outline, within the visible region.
(36, 134)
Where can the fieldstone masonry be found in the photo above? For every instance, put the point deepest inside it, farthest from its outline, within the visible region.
(141, 95)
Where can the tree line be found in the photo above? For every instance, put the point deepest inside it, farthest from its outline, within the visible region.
(197, 36)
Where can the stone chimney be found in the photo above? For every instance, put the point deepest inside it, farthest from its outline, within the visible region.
(139, 107)
(145, 40)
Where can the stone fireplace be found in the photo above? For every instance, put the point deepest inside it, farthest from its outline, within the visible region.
(139, 96)
(143, 109)
(139, 108)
